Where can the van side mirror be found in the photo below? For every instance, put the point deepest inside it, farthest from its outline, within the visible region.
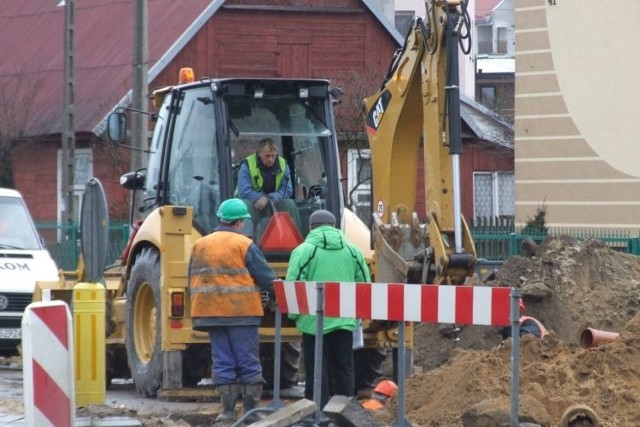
(117, 127)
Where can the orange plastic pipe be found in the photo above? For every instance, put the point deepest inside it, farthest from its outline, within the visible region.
(593, 337)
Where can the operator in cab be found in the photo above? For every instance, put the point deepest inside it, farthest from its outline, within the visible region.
(264, 176)
(264, 184)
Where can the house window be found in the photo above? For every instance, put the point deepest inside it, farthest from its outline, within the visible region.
(484, 39)
(404, 21)
(83, 173)
(488, 96)
(359, 183)
(493, 194)
(501, 40)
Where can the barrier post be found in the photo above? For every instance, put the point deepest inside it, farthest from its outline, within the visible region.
(458, 305)
(276, 403)
(401, 421)
(317, 362)
(515, 355)
(89, 335)
(47, 362)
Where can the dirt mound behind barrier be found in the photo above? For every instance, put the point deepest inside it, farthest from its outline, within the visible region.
(568, 285)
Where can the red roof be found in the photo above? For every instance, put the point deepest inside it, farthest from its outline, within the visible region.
(31, 70)
(485, 7)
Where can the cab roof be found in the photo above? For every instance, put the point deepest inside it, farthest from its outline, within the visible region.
(9, 192)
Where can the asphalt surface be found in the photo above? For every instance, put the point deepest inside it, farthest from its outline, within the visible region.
(122, 405)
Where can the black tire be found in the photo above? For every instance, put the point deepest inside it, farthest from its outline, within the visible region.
(368, 367)
(109, 328)
(143, 324)
(116, 356)
(196, 362)
(289, 364)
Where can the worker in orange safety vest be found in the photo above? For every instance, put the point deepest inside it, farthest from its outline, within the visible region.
(383, 391)
(528, 325)
(227, 273)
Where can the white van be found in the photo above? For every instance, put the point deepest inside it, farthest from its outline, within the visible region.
(23, 261)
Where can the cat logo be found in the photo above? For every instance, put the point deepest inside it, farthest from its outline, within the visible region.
(375, 115)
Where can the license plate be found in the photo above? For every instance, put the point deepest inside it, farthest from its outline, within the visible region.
(10, 333)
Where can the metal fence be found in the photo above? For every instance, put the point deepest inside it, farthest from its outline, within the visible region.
(496, 239)
(63, 242)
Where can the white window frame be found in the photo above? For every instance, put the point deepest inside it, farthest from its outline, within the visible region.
(353, 155)
(495, 192)
(78, 187)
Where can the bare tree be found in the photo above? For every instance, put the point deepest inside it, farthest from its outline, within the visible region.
(350, 123)
(16, 105)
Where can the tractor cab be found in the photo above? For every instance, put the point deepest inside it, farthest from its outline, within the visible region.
(204, 132)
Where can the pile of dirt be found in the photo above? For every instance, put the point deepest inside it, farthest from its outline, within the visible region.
(568, 285)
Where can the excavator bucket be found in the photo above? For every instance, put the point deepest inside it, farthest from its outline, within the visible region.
(396, 248)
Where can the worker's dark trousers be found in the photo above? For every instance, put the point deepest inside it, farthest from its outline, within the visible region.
(235, 355)
(337, 365)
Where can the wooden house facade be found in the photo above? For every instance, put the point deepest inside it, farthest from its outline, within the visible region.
(330, 39)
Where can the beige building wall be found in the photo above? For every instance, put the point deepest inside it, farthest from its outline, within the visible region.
(577, 122)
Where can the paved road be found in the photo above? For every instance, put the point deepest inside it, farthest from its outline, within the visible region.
(122, 407)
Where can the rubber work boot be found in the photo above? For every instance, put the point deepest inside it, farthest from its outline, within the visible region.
(228, 394)
(251, 394)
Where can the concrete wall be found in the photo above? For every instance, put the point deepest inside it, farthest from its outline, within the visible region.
(576, 113)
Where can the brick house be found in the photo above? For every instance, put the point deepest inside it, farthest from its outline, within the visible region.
(332, 39)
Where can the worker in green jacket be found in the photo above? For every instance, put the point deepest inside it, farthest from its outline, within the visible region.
(327, 256)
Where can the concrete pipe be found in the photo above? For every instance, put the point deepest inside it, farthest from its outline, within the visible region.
(593, 337)
(579, 416)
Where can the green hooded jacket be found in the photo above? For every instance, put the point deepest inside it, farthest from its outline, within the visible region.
(326, 256)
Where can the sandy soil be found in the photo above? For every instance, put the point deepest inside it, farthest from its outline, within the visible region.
(569, 286)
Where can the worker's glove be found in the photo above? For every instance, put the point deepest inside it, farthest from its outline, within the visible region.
(261, 203)
(268, 300)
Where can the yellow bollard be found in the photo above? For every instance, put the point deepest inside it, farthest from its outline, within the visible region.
(89, 336)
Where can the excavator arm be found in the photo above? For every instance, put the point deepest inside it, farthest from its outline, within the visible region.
(416, 113)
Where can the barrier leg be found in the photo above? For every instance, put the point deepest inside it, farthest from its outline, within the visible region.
(515, 355)
(401, 421)
(317, 362)
(276, 403)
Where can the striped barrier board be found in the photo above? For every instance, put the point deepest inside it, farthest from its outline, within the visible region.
(461, 305)
(47, 343)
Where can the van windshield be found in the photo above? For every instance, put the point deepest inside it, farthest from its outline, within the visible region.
(16, 228)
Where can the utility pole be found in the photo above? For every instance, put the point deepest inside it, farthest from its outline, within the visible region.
(139, 122)
(68, 119)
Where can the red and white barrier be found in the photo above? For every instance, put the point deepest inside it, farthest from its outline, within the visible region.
(47, 359)
(461, 305)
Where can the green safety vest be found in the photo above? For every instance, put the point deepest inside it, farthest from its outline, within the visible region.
(256, 176)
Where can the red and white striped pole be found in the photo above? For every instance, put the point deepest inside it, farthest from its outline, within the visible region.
(401, 302)
(47, 365)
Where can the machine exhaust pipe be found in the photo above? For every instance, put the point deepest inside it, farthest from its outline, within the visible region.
(593, 337)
